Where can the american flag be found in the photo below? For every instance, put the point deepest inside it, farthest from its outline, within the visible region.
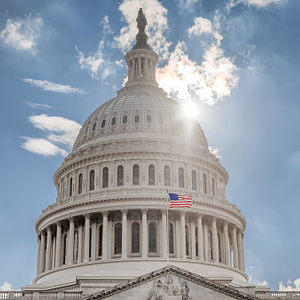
(180, 200)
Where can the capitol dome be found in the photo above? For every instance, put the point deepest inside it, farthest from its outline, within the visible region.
(111, 221)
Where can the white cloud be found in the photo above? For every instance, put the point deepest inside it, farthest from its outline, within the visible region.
(96, 64)
(258, 282)
(22, 34)
(257, 3)
(209, 82)
(290, 286)
(61, 130)
(215, 151)
(202, 25)
(186, 4)
(42, 147)
(156, 16)
(6, 287)
(38, 105)
(54, 87)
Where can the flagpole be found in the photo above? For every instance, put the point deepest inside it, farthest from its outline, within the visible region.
(168, 259)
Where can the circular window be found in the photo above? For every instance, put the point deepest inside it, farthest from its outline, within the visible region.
(103, 123)
(113, 121)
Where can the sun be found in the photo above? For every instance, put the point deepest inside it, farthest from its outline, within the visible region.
(190, 109)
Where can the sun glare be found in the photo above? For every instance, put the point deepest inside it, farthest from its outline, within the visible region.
(190, 109)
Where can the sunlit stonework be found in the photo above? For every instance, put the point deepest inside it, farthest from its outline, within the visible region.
(105, 237)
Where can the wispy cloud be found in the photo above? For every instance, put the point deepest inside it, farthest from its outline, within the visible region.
(38, 105)
(290, 286)
(157, 27)
(186, 4)
(215, 151)
(209, 82)
(22, 34)
(257, 3)
(6, 287)
(97, 65)
(258, 282)
(61, 130)
(42, 147)
(54, 87)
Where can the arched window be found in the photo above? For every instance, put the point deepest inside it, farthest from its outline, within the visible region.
(135, 237)
(90, 244)
(86, 131)
(135, 175)
(105, 177)
(213, 186)
(71, 186)
(152, 237)
(167, 176)
(210, 254)
(187, 241)
(94, 126)
(92, 180)
(103, 123)
(136, 119)
(180, 178)
(120, 176)
(151, 175)
(196, 239)
(125, 119)
(204, 184)
(65, 249)
(194, 181)
(80, 183)
(171, 238)
(161, 120)
(118, 238)
(100, 240)
(113, 121)
(149, 119)
(75, 251)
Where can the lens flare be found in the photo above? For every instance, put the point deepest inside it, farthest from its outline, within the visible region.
(190, 109)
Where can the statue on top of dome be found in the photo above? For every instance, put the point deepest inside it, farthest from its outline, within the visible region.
(141, 20)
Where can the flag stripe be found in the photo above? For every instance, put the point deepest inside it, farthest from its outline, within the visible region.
(180, 200)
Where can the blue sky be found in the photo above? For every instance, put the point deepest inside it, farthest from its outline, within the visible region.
(237, 61)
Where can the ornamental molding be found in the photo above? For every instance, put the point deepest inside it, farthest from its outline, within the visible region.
(56, 209)
(164, 275)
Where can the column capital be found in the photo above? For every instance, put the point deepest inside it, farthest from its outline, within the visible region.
(200, 215)
(144, 210)
(104, 213)
(182, 213)
(214, 219)
(124, 211)
(71, 219)
(87, 216)
(57, 223)
(163, 211)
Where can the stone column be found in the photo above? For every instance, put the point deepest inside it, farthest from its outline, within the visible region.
(39, 255)
(146, 67)
(87, 238)
(241, 251)
(200, 238)
(104, 234)
(226, 244)
(205, 229)
(124, 233)
(94, 237)
(58, 245)
(70, 246)
(48, 249)
(42, 256)
(193, 240)
(235, 249)
(144, 233)
(164, 232)
(182, 233)
(215, 244)
(139, 67)
(80, 243)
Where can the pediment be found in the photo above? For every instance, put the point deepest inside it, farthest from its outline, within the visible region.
(171, 283)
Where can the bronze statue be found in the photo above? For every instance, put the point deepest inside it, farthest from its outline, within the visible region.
(141, 20)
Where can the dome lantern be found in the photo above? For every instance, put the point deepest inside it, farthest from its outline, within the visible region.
(141, 60)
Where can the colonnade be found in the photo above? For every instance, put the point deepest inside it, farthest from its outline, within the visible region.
(91, 237)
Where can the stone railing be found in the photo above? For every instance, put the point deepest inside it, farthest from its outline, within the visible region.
(15, 295)
(287, 295)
